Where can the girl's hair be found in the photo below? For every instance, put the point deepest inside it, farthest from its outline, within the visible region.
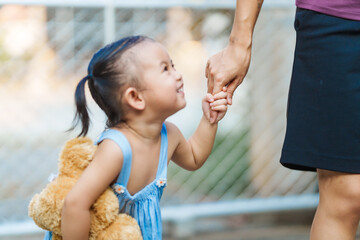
(108, 72)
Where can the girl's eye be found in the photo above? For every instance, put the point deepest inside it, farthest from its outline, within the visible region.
(173, 66)
(166, 68)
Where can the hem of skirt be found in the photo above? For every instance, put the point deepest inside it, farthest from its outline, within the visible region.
(306, 161)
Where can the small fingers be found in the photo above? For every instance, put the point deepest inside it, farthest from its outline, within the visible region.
(213, 116)
(220, 108)
(207, 115)
(218, 102)
(209, 97)
(220, 95)
(219, 105)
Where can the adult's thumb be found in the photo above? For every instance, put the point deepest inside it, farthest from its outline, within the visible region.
(231, 89)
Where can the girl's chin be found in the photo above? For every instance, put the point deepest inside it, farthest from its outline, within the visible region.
(184, 105)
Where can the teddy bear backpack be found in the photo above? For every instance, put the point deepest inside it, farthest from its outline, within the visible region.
(106, 222)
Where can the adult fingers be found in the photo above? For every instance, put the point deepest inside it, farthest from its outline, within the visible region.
(231, 89)
(210, 80)
(218, 85)
(207, 69)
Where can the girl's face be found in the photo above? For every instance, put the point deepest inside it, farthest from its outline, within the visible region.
(164, 87)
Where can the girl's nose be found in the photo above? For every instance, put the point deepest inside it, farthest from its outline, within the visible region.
(178, 76)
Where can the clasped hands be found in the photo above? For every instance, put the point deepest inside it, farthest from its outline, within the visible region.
(225, 71)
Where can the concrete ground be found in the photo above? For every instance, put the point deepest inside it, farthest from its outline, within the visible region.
(275, 226)
(266, 226)
(278, 233)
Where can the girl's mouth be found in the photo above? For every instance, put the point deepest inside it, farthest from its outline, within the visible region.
(180, 90)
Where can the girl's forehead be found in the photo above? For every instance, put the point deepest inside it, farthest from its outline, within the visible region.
(150, 51)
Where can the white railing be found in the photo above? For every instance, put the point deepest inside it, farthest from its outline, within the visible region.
(202, 4)
(182, 217)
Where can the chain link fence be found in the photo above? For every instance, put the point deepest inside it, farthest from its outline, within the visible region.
(44, 52)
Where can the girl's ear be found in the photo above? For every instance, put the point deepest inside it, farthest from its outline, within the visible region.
(134, 98)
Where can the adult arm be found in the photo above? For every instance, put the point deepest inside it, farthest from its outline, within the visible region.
(229, 67)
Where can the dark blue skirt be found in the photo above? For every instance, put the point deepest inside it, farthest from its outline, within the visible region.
(323, 117)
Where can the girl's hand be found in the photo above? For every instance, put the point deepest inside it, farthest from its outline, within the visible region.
(215, 103)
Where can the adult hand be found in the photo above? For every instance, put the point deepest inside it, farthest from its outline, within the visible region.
(228, 68)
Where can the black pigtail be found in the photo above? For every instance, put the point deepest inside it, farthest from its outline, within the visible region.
(81, 108)
(106, 88)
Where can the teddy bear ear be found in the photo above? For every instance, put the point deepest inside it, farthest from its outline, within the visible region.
(76, 155)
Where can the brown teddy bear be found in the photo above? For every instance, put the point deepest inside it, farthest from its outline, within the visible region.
(106, 222)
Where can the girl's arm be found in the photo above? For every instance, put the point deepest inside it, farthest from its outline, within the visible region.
(193, 153)
(104, 168)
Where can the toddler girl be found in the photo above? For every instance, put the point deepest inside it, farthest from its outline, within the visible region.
(135, 83)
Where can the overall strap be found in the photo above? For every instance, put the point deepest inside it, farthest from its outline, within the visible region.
(120, 139)
(162, 170)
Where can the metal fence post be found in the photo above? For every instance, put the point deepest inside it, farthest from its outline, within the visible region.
(109, 22)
